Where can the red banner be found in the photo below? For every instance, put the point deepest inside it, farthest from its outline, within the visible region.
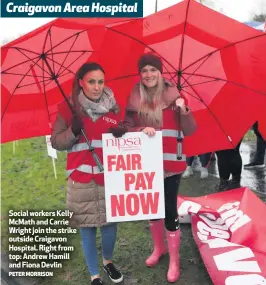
(230, 231)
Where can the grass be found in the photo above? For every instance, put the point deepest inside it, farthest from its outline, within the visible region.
(250, 136)
(28, 183)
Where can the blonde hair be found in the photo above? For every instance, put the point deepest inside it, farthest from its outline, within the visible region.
(150, 112)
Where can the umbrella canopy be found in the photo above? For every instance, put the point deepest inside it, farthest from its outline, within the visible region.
(38, 68)
(217, 63)
(262, 118)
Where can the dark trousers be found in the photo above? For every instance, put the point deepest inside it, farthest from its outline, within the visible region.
(171, 185)
(230, 162)
(261, 145)
(204, 159)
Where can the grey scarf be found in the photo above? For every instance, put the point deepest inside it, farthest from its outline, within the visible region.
(97, 109)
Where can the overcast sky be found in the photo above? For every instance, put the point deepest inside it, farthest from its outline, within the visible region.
(241, 10)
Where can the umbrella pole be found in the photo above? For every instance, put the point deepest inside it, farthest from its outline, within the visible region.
(179, 132)
(179, 135)
(91, 149)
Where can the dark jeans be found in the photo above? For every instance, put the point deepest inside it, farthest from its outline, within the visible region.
(261, 145)
(204, 159)
(171, 185)
(230, 162)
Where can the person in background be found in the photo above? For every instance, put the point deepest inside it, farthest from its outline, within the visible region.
(229, 162)
(204, 160)
(258, 160)
(96, 112)
(155, 104)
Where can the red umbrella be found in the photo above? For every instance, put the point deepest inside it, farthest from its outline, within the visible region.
(38, 68)
(217, 63)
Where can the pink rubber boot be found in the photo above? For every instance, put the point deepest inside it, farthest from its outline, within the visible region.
(173, 240)
(159, 247)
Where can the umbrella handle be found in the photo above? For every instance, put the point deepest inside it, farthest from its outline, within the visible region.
(91, 149)
(179, 135)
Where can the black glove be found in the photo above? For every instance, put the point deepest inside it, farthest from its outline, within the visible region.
(118, 132)
(76, 125)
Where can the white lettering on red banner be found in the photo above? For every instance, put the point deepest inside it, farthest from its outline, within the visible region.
(246, 279)
(217, 228)
(186, 209)
(233, 261)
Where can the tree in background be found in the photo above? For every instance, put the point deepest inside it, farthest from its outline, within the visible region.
(260, 18)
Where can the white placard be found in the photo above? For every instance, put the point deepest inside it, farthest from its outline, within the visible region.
(51, 151)
(134, 177)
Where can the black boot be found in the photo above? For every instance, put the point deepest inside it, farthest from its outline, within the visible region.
(97, 281)
(223, 185)
(235, 183)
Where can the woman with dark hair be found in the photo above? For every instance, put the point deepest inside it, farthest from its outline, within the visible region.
(96, 112)
(155, 104)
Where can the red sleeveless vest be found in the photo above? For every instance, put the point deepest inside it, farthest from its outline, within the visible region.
(80, 166)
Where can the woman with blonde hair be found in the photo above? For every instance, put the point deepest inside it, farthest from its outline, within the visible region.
(155, 104)
(96, 112)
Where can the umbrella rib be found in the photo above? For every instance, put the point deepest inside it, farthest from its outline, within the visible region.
(12, 73)
(44, 44)
(217, 121)
(59, 64)
(45, 98)
(23, 49)
(67, 39)
(50, 38)
(132, 75)
(172, 77)
(31, 84)
(198, 67)
(142, 43)
(65, 68)
(62, 75)
(168, 72)
(122, 77)
(208, 81)
(48, 83)
(224, 47)
(73, 51)
(45, 40)
(183, 38)
(68, 53)
(4, 71)
(16, 89)
(228, 81)
(35, 63)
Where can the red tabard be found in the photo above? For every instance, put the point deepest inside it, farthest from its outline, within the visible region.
(170, 133)
(80, 165)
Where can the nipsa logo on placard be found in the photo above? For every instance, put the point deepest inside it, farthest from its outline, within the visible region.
(131, 143)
